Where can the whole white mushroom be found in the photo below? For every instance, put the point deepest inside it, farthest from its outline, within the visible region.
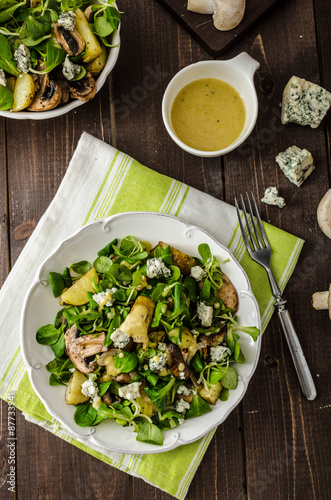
(324, 214)
(322, 300)
(227, 14)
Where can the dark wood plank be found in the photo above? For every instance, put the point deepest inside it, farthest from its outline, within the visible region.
(76, 475)
(273, 445)
(274, 410)
(4, 266)
(201, 26)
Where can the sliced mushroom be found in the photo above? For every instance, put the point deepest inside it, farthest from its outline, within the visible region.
(80, 348)
(63, 83)
(215, 339)
(48, 96)
(324, 214)
(71, 41)
(176, 362)
(124, 378)
(110, 398)
(89, 14)
(83, 89)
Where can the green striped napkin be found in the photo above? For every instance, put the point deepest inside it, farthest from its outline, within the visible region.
(101, 181)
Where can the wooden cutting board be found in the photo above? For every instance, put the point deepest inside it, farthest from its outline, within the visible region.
(201, 27)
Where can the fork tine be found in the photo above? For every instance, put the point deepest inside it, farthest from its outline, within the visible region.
(256, 232)
(251, 237)
(260, 225)
(242, 228)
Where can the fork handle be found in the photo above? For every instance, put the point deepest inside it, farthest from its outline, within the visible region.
(299, 360)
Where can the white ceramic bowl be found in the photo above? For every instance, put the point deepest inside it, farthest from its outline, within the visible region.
(238, 72)
(65, 108)
(40, 308)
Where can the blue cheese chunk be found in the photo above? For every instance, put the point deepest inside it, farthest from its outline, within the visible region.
(67, 20)
(198, 273)
(297, 164)
(90, 389)
(157, 362)
(157, 268)
(304, 102)
(271, 197)
(69, 69)
(22, 58)
(120, 339)
(218, 353)
(3, 81)
(130, 391)
(182, 406)
(205, 314)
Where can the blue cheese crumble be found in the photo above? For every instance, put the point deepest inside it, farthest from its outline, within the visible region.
(205, 314)
(182, 406)
(120, 339)
(185, 391)
(105, 298)
(90, 389)
(130, 391)
(271, 197)
(218, 353)
(198, 273)
(156, 363)
(3, 81)
(67, 20)
(297, 164)
(156, 268)
(69, 69)
(22, 58)
(304, 102)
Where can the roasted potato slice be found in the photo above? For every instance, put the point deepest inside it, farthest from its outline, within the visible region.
(180, 259)
(138, 320)
(93, 47)
(211, 394)
(96, 66)
(73, 394)
(76, 295)
(23, 92)
(228, 294)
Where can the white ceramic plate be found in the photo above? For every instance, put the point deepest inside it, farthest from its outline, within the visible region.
(40, 308)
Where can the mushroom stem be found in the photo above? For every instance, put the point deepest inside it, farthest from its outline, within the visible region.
(322, 300)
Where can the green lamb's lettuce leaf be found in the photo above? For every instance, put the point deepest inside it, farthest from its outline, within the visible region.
(7, 62)
(150, 433)
(6, 98)
(7, 9)
(197, 407)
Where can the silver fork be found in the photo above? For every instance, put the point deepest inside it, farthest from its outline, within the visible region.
(259, 249)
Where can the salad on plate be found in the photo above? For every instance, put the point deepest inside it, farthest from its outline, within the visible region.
(147, 337)
(51, 51)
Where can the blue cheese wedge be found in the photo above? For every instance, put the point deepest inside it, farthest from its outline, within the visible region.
(304, 102)
(297, 164)
(271, 197)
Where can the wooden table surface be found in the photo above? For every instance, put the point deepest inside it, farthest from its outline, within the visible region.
(275, 444)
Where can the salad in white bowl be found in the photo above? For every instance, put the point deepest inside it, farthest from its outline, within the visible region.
(54, 54)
